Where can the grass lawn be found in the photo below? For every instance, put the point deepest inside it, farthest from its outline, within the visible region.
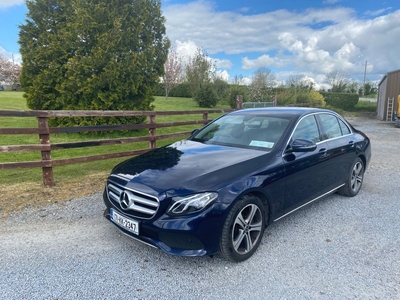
(365, 106)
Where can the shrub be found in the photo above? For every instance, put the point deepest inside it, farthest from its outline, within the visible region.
(285, 98)
(313, 97)
(206, 96)
(235, 90)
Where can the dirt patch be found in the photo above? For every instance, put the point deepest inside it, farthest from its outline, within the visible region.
(34, 194)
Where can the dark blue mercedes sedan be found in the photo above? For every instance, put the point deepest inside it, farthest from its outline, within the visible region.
(216, 191)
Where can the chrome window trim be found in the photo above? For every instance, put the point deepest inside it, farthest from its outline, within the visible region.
(323, 141)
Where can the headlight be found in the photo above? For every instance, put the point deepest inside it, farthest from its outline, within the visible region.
(191, 204)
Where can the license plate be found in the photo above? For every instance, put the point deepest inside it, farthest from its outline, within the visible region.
(128, 224)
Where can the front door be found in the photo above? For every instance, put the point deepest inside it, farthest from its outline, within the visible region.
(306, 171)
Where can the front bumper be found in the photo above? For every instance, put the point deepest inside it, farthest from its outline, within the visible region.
(192, 235)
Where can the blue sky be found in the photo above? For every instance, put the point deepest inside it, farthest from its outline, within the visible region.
(308, 37)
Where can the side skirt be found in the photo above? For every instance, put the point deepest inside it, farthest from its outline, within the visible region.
(319, 197)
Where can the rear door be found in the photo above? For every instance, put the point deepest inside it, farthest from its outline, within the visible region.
(341, 147)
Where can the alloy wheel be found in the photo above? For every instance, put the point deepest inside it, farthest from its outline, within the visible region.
(247, 228)
(357, 177)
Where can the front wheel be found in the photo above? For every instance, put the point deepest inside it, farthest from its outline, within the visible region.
(243, 229)
(354, 181)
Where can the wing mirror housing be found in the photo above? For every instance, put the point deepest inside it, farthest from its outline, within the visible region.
(195, 131)
(301, 145)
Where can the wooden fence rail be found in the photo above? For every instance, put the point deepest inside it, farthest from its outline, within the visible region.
(44, 131)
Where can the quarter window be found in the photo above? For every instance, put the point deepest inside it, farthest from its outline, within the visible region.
(344, 127)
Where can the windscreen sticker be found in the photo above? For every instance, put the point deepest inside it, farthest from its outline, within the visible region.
(261, 144)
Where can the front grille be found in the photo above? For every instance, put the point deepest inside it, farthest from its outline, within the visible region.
(134, 203)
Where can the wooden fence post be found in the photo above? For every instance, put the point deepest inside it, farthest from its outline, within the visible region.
(205, 119)
(44, 138)
(239, 102)
(152, 131)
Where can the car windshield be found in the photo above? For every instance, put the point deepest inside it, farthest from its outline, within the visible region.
(244, 131)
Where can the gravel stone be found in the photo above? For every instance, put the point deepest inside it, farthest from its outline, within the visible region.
(336, 248)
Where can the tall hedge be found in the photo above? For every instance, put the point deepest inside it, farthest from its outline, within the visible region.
(341, 100)
(181, 90)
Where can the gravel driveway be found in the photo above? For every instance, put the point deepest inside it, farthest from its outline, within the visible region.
(336, 248)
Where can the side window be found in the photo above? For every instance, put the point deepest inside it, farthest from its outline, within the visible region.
(307, 129)
(331, 126)
(344, 127)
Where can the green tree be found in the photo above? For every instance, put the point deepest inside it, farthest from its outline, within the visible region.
(370, 88)
(352, 87)
(221, 88)
(92, 55)
(205, 96)
(262, 82)
(299, 83)
(199, 71)
(338, 80)
(234, 91)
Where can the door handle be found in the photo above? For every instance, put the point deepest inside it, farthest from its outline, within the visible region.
(323, 153)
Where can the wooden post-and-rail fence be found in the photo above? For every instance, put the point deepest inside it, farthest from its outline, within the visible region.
(44, 132)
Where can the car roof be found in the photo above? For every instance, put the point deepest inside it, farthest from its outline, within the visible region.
(289, 111)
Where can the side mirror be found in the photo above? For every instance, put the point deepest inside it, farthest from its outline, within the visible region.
(300, 145)
(195, 131)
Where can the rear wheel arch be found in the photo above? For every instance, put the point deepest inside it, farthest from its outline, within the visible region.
(364, 160)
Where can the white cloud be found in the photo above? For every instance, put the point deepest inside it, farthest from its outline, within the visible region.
(314, 41)
(9, 3)
(185, 49)
(222, 75)
(222, 63)
(262, 61)
(246, 80)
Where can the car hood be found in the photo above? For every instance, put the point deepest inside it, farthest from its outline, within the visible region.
(188, 166)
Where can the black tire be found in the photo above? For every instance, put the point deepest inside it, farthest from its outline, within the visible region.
(243, 229)
(355, 180)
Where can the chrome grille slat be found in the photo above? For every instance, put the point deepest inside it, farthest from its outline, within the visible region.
(115, 189)
(113, 196)
(141, 205)
(145, 201)
(142, 210)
